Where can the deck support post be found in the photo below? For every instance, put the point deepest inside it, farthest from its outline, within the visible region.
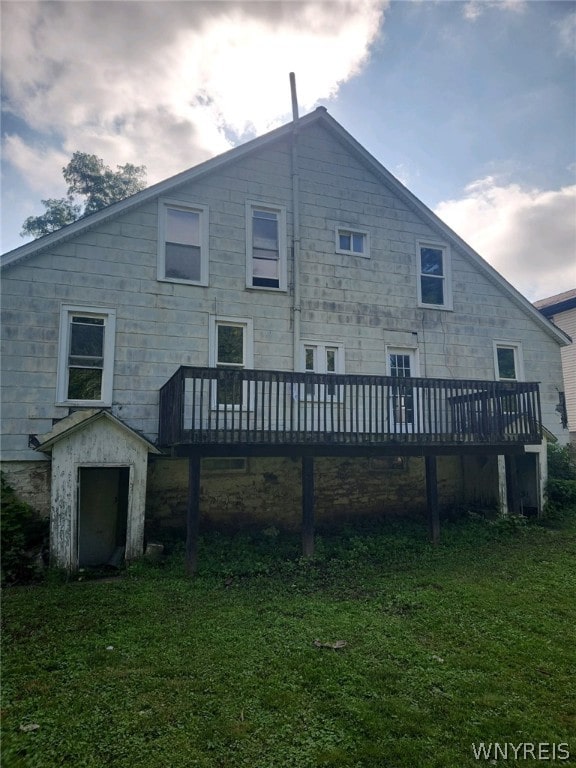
(432, 499)
(192, 514)
(307, 506)
(512, 486)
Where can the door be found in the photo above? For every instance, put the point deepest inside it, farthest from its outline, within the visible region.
(401, 365)
(102, 515)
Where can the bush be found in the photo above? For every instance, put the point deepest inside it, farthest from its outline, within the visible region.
(562, 462)
(22, 537)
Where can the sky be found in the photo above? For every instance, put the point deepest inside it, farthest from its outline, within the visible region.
(470, 103)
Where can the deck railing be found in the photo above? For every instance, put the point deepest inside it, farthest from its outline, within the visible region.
(216, 406)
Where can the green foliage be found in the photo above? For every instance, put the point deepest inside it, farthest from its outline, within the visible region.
(96, 183)
(562, 492)
(562, 462)
(561, 486)
(22, 534)
(445, 647)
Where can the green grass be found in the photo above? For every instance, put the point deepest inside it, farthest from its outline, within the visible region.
(445, 647)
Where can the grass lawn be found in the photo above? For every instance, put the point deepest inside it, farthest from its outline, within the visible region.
(473, 641)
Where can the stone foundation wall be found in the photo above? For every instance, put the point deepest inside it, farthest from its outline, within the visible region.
(237, 493)
(31, 482)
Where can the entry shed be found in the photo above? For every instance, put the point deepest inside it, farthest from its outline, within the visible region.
(98, 481)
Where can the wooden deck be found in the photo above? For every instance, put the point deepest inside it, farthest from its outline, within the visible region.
(225, 411)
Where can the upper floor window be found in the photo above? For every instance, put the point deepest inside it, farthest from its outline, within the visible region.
(265, 247)
(183, 243)
(86, 355)
(353, 242)
(508, 361)
(434, 276)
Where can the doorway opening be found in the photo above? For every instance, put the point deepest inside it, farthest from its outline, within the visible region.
(102, 515)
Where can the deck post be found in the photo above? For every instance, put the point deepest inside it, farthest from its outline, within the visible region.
(432, 499)
(192, 514)
(307, 506)
(512, 486)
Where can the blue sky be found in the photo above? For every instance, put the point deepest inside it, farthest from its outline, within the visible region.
(471, 104)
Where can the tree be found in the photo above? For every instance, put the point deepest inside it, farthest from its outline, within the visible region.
(88, 178)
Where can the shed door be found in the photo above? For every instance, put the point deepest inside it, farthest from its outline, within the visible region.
(102, 515)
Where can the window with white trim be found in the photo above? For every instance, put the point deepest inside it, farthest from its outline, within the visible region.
(231, 347)
(434, 276)
(353, 242)
(182, 243)
(86, 355)
(319, 357)
(508, 361)
(265, 246)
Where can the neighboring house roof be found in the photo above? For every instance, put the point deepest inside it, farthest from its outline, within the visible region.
(321, 117)
(79, 420)
(554, 305)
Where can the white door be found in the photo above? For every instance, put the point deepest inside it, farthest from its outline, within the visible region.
(402, 364)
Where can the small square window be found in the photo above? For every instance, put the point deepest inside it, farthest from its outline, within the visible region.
(508, 361)
(352, 242)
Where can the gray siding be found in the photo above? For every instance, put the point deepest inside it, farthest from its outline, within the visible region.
(365, 304)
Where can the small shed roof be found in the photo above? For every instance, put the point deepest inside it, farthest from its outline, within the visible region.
(80, 420)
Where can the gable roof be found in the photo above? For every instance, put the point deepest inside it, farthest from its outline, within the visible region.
(554, 305)
(321, 117)
(79, 420)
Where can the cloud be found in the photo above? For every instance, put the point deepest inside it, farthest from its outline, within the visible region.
(567, 34)
(168, 84)
(473, 9)
(528, 235)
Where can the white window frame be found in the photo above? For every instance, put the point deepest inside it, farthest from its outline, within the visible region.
(280, 210)
(344, 229)
(446, 277)
(516, 347)
(321, 347)
(402, 426)
(67, 311)
(163, 205)
(247, 353)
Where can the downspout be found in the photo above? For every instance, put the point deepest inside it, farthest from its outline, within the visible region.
(296, 308)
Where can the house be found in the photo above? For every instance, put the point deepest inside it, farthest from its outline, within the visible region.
(282, 335)
(561, 310)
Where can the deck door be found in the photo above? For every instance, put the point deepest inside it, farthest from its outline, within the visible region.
(402, 364)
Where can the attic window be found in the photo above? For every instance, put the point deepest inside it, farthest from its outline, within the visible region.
(434, 276)
(353, 242)
(265, 247)
(182, 243)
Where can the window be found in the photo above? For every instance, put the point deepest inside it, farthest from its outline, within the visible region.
(265, 247)
(86, 355)
(508, 361)
(183, 243)
(322, 358)
(230, 348)
(353, 242)
(434, 280)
